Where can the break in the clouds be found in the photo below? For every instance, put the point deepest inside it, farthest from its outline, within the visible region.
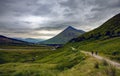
(46, 18)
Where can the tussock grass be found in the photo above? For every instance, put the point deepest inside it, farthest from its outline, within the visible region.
(96, 65)
(111, 71)
(104, 62)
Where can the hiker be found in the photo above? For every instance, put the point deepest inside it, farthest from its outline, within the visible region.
(92, 52)
(96, 52)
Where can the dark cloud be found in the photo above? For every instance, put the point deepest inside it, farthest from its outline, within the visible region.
(43, 9)
(106, 5)
(72, 4)
(50, 28)
(27, 17)
(42, 34)
(58, 25)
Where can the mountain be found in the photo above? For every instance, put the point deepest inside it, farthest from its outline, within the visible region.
(64, 36)
(7, 40)
(31, 40)
(109, 29)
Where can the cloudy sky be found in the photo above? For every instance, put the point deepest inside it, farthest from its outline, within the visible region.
(44, 19)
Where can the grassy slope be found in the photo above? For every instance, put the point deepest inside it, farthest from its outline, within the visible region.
(109, 47)
(62, 62)
(109, 29)
(87, 68)
(23, 53)
(47, 63)
(83, 68)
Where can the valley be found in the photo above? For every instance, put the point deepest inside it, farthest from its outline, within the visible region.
(45, 62)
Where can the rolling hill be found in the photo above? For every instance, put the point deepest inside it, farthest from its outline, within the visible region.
(30, 40)
(6, 40)
(64, 36)
(109, 29)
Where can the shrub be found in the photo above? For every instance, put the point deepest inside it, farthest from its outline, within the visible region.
(2, 61)
(111, 71)
(105, 63)
(96, 65)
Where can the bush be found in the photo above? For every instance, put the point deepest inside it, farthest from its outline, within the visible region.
(96, 65)
(105, 63)
(2, 61)
(111, 71)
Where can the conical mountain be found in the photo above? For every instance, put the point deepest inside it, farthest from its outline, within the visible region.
(63, 37)
(109, 29)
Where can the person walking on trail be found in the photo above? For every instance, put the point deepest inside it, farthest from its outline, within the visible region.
(96, 52)
(92, 52)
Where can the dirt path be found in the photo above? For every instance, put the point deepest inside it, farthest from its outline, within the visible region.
(102, 58)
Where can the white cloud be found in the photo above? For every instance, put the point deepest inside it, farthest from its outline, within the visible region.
(34, 21)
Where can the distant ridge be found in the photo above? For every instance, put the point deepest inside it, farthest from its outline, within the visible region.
(64, 36)
(30, 40)
(7, 40)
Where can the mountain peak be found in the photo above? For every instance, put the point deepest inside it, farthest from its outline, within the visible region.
(70, 27)
(63, 37)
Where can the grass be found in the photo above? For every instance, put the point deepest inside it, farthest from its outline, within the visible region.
(61, 62)
(86, 68)
(17, 62)
(96, 65)
(23, 55)
(111, 71)
(105, 63)
(109, 48)
(27, 69)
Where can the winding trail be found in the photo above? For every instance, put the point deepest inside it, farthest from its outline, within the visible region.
(116, 64)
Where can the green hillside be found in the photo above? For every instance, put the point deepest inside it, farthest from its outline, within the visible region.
(104, 39)
(46, 62)
(109, 29)
(109, 48)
